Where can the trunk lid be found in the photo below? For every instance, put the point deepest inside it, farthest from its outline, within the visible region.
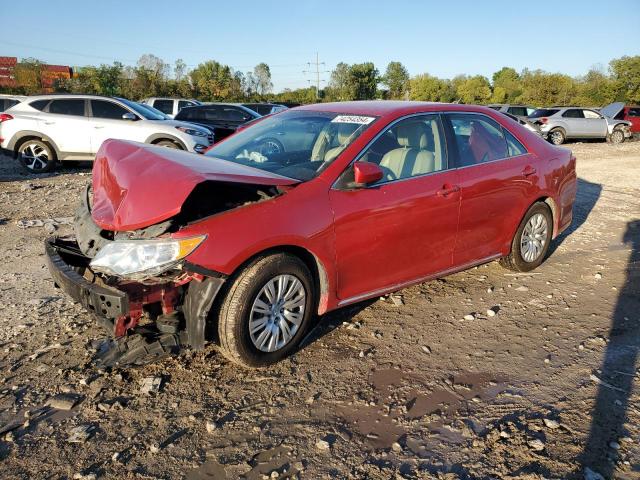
(137, 185)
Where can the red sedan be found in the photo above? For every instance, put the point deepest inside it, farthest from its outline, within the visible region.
(306, 211)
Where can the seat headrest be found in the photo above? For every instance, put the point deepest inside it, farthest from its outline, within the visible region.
(412, 135)
(345, 130)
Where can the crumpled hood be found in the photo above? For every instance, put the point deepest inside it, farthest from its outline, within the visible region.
(137, 185)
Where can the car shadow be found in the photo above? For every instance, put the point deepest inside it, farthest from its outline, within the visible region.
(615, 377)
(12, 171)
(587, 196)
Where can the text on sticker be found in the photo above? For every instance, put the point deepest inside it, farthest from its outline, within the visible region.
(358, 119)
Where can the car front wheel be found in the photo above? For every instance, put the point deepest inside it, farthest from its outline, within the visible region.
(266, 311)
(617, 136)
(557, 137)
(36, 156)
(531, 241)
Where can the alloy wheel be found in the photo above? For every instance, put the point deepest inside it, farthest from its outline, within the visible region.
(35, 157)
(534, 238)
(277, 313)
(557, 137)
(617, 136)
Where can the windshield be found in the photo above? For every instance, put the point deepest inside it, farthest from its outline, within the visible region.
(142, 110)
(296, 144)
(544, 112)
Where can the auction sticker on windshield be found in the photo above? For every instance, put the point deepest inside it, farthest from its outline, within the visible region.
(358, 119)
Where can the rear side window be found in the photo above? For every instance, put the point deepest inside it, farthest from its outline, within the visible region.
(103, 109)
(544, 112)
(520, 111)
(39, 104)
(213, 114)
(495, 107)
(573, 113)
(513, 144)
(184, 103)
(165, 106)
(67, 107)
(479, 139)
(590, 114)
(7, 103)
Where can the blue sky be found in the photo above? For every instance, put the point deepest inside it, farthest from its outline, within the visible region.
(443, 38)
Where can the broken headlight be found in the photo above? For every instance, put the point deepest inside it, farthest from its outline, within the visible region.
(147, 257)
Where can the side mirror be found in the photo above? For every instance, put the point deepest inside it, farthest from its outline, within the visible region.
(129, 116)
(365, 173)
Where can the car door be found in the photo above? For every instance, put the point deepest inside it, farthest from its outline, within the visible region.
(66, 123)
(595, 124)
(105, 119)
(496, 178)
(403, 228)
(575, 122)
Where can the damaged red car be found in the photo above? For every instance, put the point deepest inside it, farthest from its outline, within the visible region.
(304, 212)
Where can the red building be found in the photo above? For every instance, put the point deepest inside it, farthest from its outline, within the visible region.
(48, 74)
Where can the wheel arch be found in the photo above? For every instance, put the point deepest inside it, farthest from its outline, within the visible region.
(158, 137)
(24, 135)
(313, 263)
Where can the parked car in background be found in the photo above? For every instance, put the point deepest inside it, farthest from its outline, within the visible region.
(521, 111)
(525, 123)
(222, 119)
(561, 123)
(49, 128)
(620, 111)
(170, 106)
(247, 248)
(265, 108)
(8, 101)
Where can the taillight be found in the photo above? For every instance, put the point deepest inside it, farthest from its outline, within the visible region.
(4, 117)
(544, 120)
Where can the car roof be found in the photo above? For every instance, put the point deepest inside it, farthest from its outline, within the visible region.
(53, 96)
(391, 107)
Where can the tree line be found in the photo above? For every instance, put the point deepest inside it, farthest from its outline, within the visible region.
(214, 81)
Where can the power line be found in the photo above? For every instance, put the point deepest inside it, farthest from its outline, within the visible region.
(317, 72)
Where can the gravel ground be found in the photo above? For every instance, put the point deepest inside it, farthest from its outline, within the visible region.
(483, 374)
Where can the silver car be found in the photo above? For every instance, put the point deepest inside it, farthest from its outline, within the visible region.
(558, 124)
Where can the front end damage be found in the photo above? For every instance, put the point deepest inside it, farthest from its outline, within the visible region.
(125, 265)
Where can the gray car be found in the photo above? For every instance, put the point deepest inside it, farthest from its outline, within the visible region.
(558, 124)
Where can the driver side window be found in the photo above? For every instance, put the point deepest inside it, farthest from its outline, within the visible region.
(412, 147)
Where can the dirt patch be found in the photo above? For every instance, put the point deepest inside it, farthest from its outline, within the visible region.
(545, 388)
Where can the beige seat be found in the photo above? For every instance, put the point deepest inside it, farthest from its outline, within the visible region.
(412, 158)
(328, 147)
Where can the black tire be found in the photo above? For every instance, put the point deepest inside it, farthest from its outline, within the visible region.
(168, 144)
(617, 136)
(244, 287)
(515, 260)
(36, 156)
(557, 136)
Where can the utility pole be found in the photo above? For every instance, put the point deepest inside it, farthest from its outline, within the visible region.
(317, 73)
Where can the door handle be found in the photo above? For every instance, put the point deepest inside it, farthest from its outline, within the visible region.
(97, 127)
(447, 189)
(49, 123)
(528, 171)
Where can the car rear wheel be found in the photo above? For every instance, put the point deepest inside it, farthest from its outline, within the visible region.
(36, 156)
(169, 144)
(531, 241)
(557, 136)
(617, 136)
(266, 310)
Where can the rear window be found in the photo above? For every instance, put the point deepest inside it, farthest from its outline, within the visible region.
(67, 107)
(544, 112)
(7, 103)
(165, 106)
(520, 111)
(39, 104)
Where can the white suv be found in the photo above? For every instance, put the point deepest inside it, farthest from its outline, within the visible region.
(49, 128)
(170, 106)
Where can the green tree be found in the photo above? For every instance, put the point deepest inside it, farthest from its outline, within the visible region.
(506, 85)
(28, 76)
(429, 88)
(396, 78)
(474, 90)
(543, 88)
(340, 84)
(262, 79)
(213, 81)
(625, 72)
(595, 89)
(364, 80)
